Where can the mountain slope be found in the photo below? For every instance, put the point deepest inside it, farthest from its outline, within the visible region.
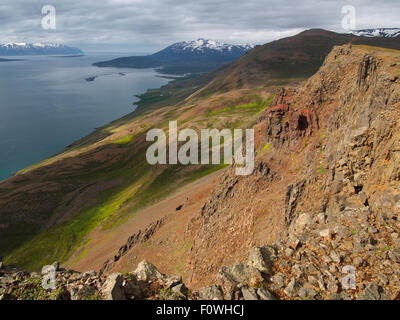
(324, 194)
(48, 209)
(321, 206)
(184, 57)
(26, 49)
(286, 60)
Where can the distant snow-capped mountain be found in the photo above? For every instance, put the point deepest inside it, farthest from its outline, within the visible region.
(201, 50)
(380, 32)
(199, 55)
(205, 44)
(22, 49)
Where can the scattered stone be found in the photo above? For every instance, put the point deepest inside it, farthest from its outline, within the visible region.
(292, 288)
(210, 293)
(249, 294)
(395, 255)
(333, 287)
(244, 274)
(325, 233)
(307, 293)
(112, 288)
(259, 258)
(278, 280)
(56, 265)
(146, 271)
(371, 292)
(180, 291)
(264, 294)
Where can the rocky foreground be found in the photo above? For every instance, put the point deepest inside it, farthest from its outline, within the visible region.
(308, 267)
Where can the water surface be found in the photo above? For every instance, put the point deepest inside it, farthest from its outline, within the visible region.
(46, 103)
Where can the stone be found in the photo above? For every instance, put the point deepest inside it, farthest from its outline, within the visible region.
(242, 273)
(382, 278)
(325, 233)
(264, 294)
(291, 288)
(395, 255)
(358, 261)
(321, 218)
(227, 284)
(335, 257)
(172, 281)
(259, 259)
(278, 280)
(56, 265)
(301, 223)
(81, 293)
(146, 271)
(249, 294)
(371, 292)
(132, 290)
(112, 288)
(332, 287)
(211, 292)
(307, 293)
(289, 252)
(180, 291)
(298, 270)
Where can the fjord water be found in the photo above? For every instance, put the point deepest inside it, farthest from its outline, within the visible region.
(46, 103)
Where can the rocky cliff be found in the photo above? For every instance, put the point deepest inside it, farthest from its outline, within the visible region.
(326, 187)
(321, 207)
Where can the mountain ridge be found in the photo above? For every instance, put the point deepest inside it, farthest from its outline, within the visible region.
(22, 48)
(199, 55)
(378, 32)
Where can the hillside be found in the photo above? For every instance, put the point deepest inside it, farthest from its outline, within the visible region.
(65, 207)
(200, 55)
(286, 60)
(323, 200)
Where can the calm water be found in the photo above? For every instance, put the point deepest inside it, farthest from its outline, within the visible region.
(46, 104)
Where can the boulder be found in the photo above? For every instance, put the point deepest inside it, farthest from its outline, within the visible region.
(371, 292)
(132, 290)
(81, 293)
(210, 293)
(180, 291)
(261, 258)
(146, 271)
(244, 274)
(264, 294)
(249, 294)
(112, 288)
(56, 265)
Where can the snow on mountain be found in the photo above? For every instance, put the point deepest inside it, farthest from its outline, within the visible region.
(22, 48)
(205, 44)
(379, 32)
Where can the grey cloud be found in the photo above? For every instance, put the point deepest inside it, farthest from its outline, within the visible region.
(153, 24)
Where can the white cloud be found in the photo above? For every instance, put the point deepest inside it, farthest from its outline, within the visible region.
(153, 24)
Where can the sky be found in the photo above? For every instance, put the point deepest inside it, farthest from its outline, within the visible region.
(150, 25)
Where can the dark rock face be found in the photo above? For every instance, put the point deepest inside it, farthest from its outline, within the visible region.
(139, 237)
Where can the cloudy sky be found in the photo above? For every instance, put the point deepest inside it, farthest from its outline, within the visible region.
(148, 25)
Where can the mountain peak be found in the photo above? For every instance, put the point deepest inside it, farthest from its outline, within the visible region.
(202, 44)
(37, 48)
(378, 32)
